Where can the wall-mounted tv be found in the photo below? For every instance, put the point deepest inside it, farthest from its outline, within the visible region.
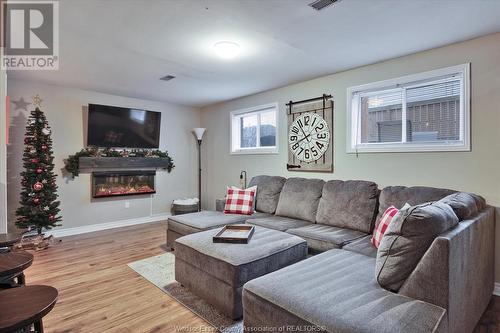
(116, 127)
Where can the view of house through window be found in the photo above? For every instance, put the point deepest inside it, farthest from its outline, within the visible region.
(428, 113)
(254, 130)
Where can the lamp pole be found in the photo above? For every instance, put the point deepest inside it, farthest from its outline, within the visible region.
(199, 175)
(198, 132)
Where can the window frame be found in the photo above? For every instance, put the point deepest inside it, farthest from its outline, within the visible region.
(353, 144)
(235, 131)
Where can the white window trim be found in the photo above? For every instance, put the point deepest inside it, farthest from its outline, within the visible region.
(235, 131)
(353, 115)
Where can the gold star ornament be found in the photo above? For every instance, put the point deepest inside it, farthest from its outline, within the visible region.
(37, 101)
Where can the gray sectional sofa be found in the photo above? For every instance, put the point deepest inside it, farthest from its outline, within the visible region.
(437, 275)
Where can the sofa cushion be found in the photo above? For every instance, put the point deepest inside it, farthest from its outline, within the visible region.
(465, 205)
(268, 192)
(322, 237)
(407, 239)
(299, 198)
(240, 201)
(398, 196)
(362, 245)
(348, 204)
(204, 220)
(337, 292)
(278, 222)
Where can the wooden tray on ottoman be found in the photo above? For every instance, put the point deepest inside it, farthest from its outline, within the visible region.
(239, 234)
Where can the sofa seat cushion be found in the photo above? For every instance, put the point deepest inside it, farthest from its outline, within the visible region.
(299, 198)
(398, 196)
(236, 264)
(363, 246)
(195, 222)
(268, 192)
(348, 204)
(278, 222)
(321, 237)
(337, 292)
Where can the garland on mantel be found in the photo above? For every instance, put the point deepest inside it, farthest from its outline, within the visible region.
(72, 163)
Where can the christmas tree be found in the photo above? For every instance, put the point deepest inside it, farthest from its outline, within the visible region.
(39, 207)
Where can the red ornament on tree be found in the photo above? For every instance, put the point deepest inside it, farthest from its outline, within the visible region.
(35, 160)
(52, 217)
(39, 170)
(36, 200)
(27, 140)
(44, 147)
(38, 186)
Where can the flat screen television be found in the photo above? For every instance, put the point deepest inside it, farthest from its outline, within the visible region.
(116, 127)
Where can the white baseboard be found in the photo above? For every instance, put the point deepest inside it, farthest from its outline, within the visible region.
(105, 226)
(496, 291)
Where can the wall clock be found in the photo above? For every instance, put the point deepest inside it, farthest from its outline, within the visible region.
(310, 135)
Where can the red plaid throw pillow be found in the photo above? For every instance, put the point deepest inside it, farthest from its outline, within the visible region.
(240, 201)
(382, 225)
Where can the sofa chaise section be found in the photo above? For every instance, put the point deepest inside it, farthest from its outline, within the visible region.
(336, 292)
(181, 225)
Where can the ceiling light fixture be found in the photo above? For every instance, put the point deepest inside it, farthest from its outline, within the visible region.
(227, 50)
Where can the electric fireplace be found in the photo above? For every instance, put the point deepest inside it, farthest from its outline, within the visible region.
(119, 183)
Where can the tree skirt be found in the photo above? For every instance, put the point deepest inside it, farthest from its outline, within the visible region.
(160, 271)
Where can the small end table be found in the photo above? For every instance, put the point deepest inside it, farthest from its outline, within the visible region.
(8, 240)
(12, 265)
(25, 306)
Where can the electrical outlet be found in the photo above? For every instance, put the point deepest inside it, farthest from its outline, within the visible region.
(127, 204)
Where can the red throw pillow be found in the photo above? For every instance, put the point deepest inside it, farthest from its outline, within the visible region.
(382, 225)
(240, 201)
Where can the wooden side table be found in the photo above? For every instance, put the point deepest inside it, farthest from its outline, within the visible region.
(8, 240)
(25, 306)
(12, 265)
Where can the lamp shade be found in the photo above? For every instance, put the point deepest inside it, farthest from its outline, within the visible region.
(199, 132)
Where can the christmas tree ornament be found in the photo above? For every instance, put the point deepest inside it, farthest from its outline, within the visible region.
(38, 186)
(39, 206)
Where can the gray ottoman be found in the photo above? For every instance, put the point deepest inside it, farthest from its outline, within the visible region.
(181, 225)
(216, 272)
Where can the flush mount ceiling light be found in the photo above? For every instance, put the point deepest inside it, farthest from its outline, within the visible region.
(227, 50)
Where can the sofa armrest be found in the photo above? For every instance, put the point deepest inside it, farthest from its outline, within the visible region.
(219, 204)
(457, 272)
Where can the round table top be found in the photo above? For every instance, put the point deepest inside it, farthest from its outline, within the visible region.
(14, 262)
(19, 307)
(9, 239)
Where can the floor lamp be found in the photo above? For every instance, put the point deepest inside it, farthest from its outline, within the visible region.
(198, 132)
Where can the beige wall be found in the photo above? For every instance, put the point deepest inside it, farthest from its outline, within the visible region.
(475, 171)
(63, 107)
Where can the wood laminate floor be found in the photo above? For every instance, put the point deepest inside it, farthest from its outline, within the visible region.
(99, 293)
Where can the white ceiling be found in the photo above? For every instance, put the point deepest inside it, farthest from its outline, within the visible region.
(124, 46)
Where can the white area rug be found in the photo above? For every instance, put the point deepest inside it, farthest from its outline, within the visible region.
(160, 271)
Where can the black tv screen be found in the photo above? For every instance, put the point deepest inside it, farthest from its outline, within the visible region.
(116, 127)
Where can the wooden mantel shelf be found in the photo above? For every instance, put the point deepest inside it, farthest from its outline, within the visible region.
(123, 162)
